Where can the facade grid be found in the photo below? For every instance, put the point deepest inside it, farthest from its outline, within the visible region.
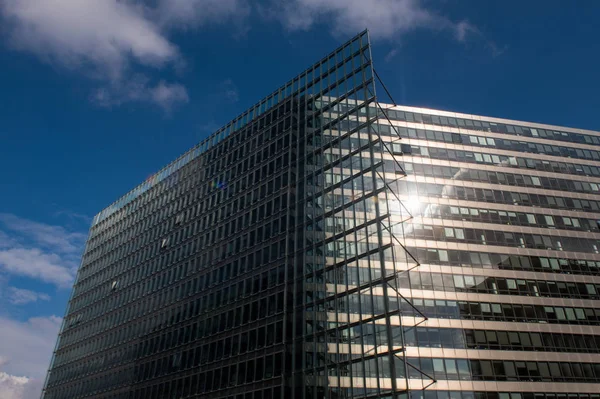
(325, 245)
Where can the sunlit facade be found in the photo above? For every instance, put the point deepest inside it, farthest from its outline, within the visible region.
(325, 245)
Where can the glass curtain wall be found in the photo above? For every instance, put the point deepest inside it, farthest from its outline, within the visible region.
(347, 252)
(257, 265)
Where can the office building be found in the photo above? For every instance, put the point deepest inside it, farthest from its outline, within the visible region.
(326, 245)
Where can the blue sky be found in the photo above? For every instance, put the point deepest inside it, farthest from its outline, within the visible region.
(97, 95)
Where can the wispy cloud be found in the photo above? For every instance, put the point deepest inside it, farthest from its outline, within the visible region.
(230, 91)
(138, 89)
(26, 348)
(39, 251)
(6, 241)
(55, 238)
(73, 216)
(390, 55)
(114, 41)
(195, 13)
(21, 296)
(36, 264)
(386, 19)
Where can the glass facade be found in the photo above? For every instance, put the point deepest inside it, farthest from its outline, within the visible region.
(324, 245)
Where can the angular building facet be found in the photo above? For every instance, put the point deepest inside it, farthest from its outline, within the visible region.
(324, 245)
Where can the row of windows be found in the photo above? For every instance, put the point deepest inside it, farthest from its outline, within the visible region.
(470, 369)
(458, 174)
(482, 141)
(431, 394)
(456, 338)
(485, 176)
(450, 190)
(505, 261)
(503, 217)
(504, 370)
(323, 203)
(503, 312)
(495, 127)
(501, 238)
(353, 274)
(432, 337)
(500, 160)
(498, 285)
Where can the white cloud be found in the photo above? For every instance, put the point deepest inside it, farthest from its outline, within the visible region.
(14, 387)
(389, 56)
(6, 241)
(384, 18)
(52, 237)
(20, 296)
(114, 41)
(138, 89)
(34, 263)
(168, 94)
(194, 13)
(25, 352)
(40, 251)
(26, 347)
(98, 33)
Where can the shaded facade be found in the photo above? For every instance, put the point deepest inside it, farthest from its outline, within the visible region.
(325, 245)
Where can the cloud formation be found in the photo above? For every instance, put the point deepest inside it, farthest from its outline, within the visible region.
(22, 371)
(51, 237)
(40, 251)
(102, 34)
(123, 43)
(21, 296)
(36, 264)
(112, 41)
(387, 19)
(138, 89)
(195, 13)
(14, 387)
